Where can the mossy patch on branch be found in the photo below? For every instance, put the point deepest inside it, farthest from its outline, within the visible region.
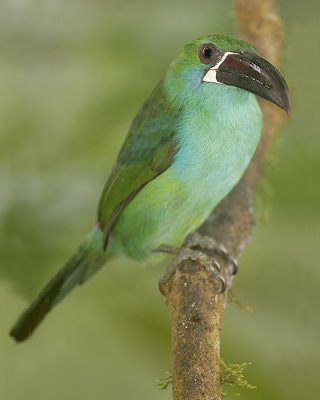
(164, 383)
(233, 375)
(230, 375)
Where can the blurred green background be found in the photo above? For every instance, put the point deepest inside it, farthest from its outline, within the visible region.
(72, 76)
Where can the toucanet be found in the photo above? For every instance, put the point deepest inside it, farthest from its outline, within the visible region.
(187, 147)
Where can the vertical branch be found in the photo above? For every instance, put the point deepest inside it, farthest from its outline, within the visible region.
(195, 310)
(193, 296)
(259, 23)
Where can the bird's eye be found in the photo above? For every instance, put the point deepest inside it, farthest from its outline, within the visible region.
(206, 53)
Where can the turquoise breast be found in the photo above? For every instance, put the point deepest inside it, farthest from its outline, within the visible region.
(216, 148)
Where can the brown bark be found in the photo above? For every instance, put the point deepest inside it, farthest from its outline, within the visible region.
(193, 298)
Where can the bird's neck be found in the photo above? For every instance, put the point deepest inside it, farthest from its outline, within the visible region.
(221, 116)
(218, 139)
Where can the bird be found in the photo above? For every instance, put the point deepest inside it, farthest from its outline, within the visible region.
(187, 147)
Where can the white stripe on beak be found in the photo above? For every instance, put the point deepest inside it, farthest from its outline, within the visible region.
(211, 75)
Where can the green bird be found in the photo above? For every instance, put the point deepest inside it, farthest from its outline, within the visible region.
(188, 146)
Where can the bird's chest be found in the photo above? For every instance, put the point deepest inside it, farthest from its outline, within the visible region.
(214, 153)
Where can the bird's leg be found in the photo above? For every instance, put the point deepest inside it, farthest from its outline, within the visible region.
(186, 253)
(164, 248)
(212, 248)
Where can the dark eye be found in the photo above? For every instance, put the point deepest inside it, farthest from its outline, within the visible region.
(206, 53)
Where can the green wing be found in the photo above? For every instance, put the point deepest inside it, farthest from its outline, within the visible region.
(148, 150)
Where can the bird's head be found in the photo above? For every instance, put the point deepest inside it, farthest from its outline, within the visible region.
(215, 62)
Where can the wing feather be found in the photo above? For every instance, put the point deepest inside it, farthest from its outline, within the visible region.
(148, 151)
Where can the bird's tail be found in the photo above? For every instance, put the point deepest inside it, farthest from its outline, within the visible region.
(87, 260)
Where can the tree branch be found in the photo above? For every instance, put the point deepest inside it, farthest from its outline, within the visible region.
(193, 296)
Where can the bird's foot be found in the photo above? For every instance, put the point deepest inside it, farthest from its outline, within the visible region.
(212, 248)
(192, 253)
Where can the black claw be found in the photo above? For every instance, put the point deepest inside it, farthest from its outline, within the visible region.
(223, 283)
(235, 266)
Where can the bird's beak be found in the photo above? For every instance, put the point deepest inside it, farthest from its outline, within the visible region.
(253, 73)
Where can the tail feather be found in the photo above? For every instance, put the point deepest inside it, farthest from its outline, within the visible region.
(81, 266)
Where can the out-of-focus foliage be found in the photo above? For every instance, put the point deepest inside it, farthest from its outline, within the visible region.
(72, 76)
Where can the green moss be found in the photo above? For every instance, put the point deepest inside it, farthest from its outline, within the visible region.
(230, 375)
(233, 375)
(233, 299)
(164, 383)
